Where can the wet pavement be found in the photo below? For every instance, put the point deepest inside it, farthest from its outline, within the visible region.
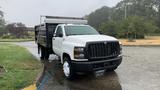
(140, 70)
(31, 47)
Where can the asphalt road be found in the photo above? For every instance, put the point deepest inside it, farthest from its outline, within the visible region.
(140, 70)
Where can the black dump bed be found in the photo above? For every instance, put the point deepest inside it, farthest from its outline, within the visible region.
(44, 34)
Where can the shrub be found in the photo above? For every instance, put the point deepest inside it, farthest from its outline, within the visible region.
(8, 36)
(132, 27)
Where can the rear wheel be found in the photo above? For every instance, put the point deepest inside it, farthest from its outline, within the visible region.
(41, 53)
(44, 55)
(67, 69)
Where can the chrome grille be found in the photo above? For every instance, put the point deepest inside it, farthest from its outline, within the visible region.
(103, 49)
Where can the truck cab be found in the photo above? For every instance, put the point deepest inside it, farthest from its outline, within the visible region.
(80, 47)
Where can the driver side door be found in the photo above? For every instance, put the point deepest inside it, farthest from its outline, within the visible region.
(57, 41)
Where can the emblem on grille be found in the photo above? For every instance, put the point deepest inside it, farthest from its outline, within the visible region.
(105, 42)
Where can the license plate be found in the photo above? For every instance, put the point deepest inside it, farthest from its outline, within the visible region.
(99, 72)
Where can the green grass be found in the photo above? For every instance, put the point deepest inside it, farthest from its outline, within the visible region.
(22, 68)
(15, 40)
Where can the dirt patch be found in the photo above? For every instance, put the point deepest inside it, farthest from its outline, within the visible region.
(2, 71)
(139, 42)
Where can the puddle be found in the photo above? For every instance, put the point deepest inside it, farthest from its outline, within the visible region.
(53, 79)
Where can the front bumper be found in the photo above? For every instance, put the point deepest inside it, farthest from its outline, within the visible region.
(96, 65)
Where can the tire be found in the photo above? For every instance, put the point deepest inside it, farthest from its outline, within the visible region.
(44, 55)
(67, 69)
(41, 53)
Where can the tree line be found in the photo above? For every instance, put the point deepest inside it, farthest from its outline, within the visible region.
(12, 30)
(128, 19)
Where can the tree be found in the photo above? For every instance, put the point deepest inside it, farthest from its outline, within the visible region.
(148, 9)
(100, 16)
(131, 27)
(138, 17)
(109, 28)
(2, 23)
(139, 27)
(1, 14)
(18, 30)
(1, 17)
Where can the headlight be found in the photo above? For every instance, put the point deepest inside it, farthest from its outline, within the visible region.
(120, 47)
(79, 53)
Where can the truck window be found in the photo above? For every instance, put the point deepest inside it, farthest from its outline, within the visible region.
(80, 30)
(59, 32)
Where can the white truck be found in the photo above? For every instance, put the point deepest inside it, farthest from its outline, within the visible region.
(79, 46)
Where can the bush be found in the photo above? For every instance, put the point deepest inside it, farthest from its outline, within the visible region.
(18, 30)
(109, 28)
(132, 27)
(8, 36)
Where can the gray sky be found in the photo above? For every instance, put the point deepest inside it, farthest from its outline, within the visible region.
(29, 11)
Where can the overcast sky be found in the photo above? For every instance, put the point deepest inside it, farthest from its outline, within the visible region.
(29, 11)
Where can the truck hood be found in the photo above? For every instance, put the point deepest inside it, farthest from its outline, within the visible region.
(89, 38)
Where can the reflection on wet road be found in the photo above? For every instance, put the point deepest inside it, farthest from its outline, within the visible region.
(108, 81)
(140, 70)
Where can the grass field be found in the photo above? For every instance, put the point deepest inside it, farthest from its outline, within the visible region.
(22, 68)
(15, 40)
(149, 40)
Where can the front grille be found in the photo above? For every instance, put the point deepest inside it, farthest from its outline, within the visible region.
(98, 50)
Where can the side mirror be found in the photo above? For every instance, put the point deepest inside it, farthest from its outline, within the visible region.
(100, 32)
(60, 35)
(54, 35)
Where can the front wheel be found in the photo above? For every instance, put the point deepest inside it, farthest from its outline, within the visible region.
(111, 69)
(67, 69)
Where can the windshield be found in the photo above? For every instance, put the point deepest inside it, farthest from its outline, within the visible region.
(80, 30)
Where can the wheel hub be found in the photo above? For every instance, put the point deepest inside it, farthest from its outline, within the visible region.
(66, 69)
